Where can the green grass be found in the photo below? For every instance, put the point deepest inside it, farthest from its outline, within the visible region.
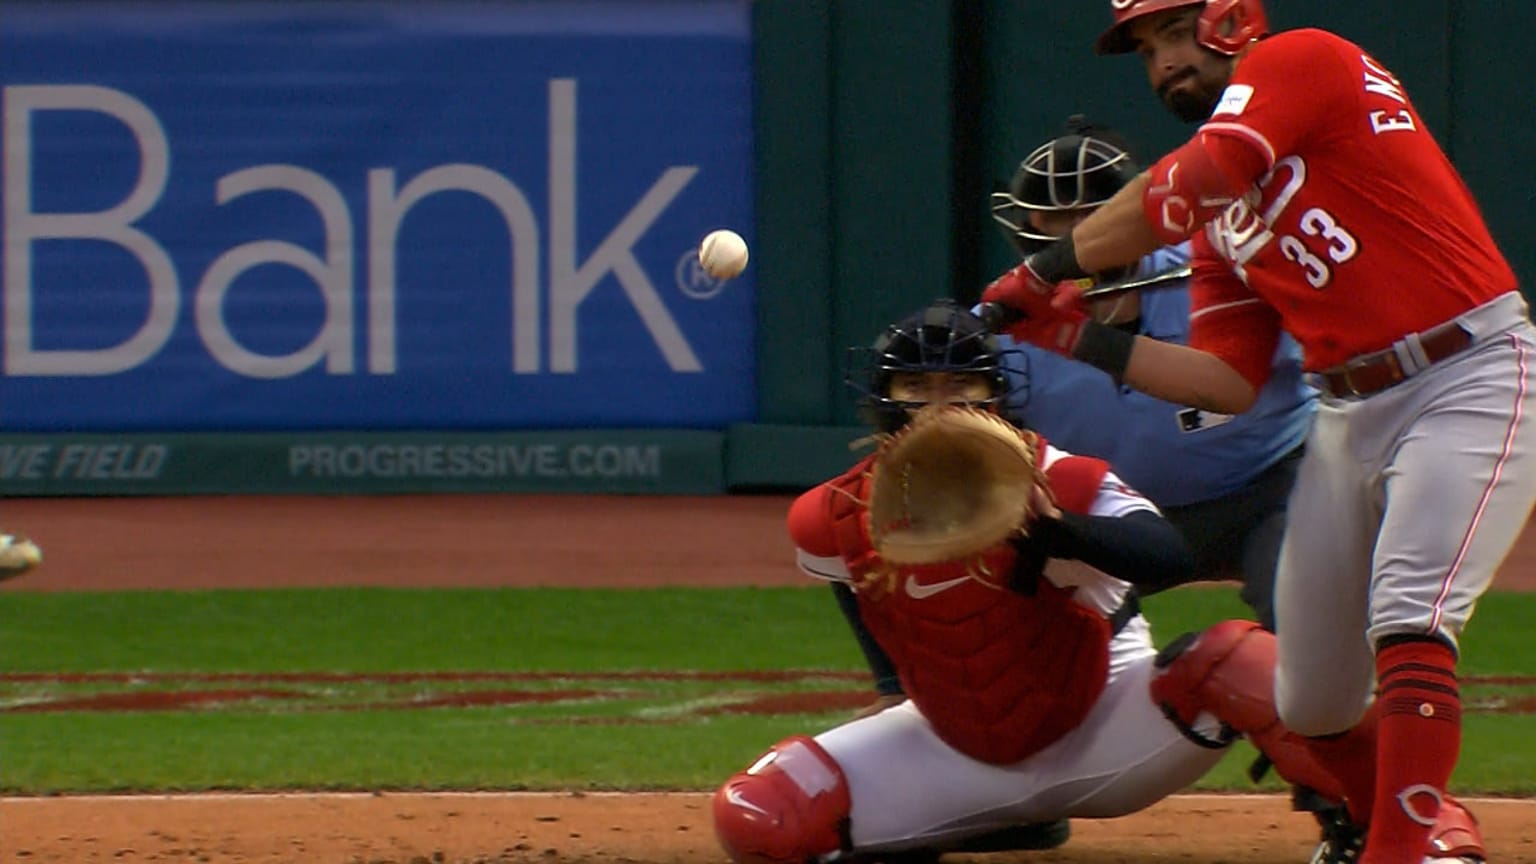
(379, 630)
(639, 734)
(453, 749)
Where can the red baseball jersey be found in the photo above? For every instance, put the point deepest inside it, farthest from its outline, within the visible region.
(999, 673)
(1360, 232)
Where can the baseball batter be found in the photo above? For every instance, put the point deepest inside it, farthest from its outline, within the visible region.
(1035, 691)
(1319, 204)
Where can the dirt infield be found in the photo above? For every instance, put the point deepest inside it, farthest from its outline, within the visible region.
(98, 544)
(468, 541)
(653, 829)
(486, 541)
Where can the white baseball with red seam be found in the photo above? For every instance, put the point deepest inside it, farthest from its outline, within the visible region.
(723, 254)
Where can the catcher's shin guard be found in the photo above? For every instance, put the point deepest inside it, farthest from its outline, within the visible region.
(1228, 671)
(791, 806)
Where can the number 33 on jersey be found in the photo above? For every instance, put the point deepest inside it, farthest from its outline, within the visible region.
(1349, 161)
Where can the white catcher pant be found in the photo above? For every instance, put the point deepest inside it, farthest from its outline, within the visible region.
(909, 788)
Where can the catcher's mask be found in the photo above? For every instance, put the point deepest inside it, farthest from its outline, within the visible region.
(1080, 170)
(944, 338)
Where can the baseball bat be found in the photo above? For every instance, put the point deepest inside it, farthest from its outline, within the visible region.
(1156, 280)
(997, 316)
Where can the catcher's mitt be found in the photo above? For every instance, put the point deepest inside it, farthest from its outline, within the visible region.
(952, 483)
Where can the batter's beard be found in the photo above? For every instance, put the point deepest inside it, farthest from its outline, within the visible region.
(1190, 105)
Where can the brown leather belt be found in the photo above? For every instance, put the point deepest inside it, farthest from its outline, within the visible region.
(1372, 373)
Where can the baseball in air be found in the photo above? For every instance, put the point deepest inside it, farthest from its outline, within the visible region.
(723, 254)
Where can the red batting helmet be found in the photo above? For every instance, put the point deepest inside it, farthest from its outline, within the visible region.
(1225, 26)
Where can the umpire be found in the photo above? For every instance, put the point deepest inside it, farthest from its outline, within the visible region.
(1222, 480)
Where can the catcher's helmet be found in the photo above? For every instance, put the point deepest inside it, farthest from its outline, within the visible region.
(944, 337)
(1224, 26)
(1081, 169)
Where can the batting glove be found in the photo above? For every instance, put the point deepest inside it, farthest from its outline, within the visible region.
(1030, 311)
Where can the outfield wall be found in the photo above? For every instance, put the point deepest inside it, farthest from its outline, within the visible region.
(231, 229)
(747, 457)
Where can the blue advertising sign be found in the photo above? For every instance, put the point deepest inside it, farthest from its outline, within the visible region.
(374, 215)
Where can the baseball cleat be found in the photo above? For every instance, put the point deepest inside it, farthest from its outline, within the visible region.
(17, 555)
(1342, 840)
(1455, 839)
(1032, 836)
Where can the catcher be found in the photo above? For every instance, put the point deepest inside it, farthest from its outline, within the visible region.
(998, 573)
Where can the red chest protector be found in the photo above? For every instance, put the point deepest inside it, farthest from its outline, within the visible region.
(1000, 673)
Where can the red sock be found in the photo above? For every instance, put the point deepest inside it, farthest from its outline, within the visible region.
(1418, 741)
(1351, 759)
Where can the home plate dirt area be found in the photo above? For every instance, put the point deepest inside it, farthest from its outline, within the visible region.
(484, 541)
(669, 828)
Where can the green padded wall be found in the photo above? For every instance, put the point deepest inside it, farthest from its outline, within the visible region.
(892, 162)
(854, 186)
(793, 259)
(1492, 139)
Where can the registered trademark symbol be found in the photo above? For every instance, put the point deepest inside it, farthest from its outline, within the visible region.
(692, 279)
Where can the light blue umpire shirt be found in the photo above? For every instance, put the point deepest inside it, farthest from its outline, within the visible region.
(1173, 454)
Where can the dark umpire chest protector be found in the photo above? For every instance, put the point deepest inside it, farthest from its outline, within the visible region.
(998, 672)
